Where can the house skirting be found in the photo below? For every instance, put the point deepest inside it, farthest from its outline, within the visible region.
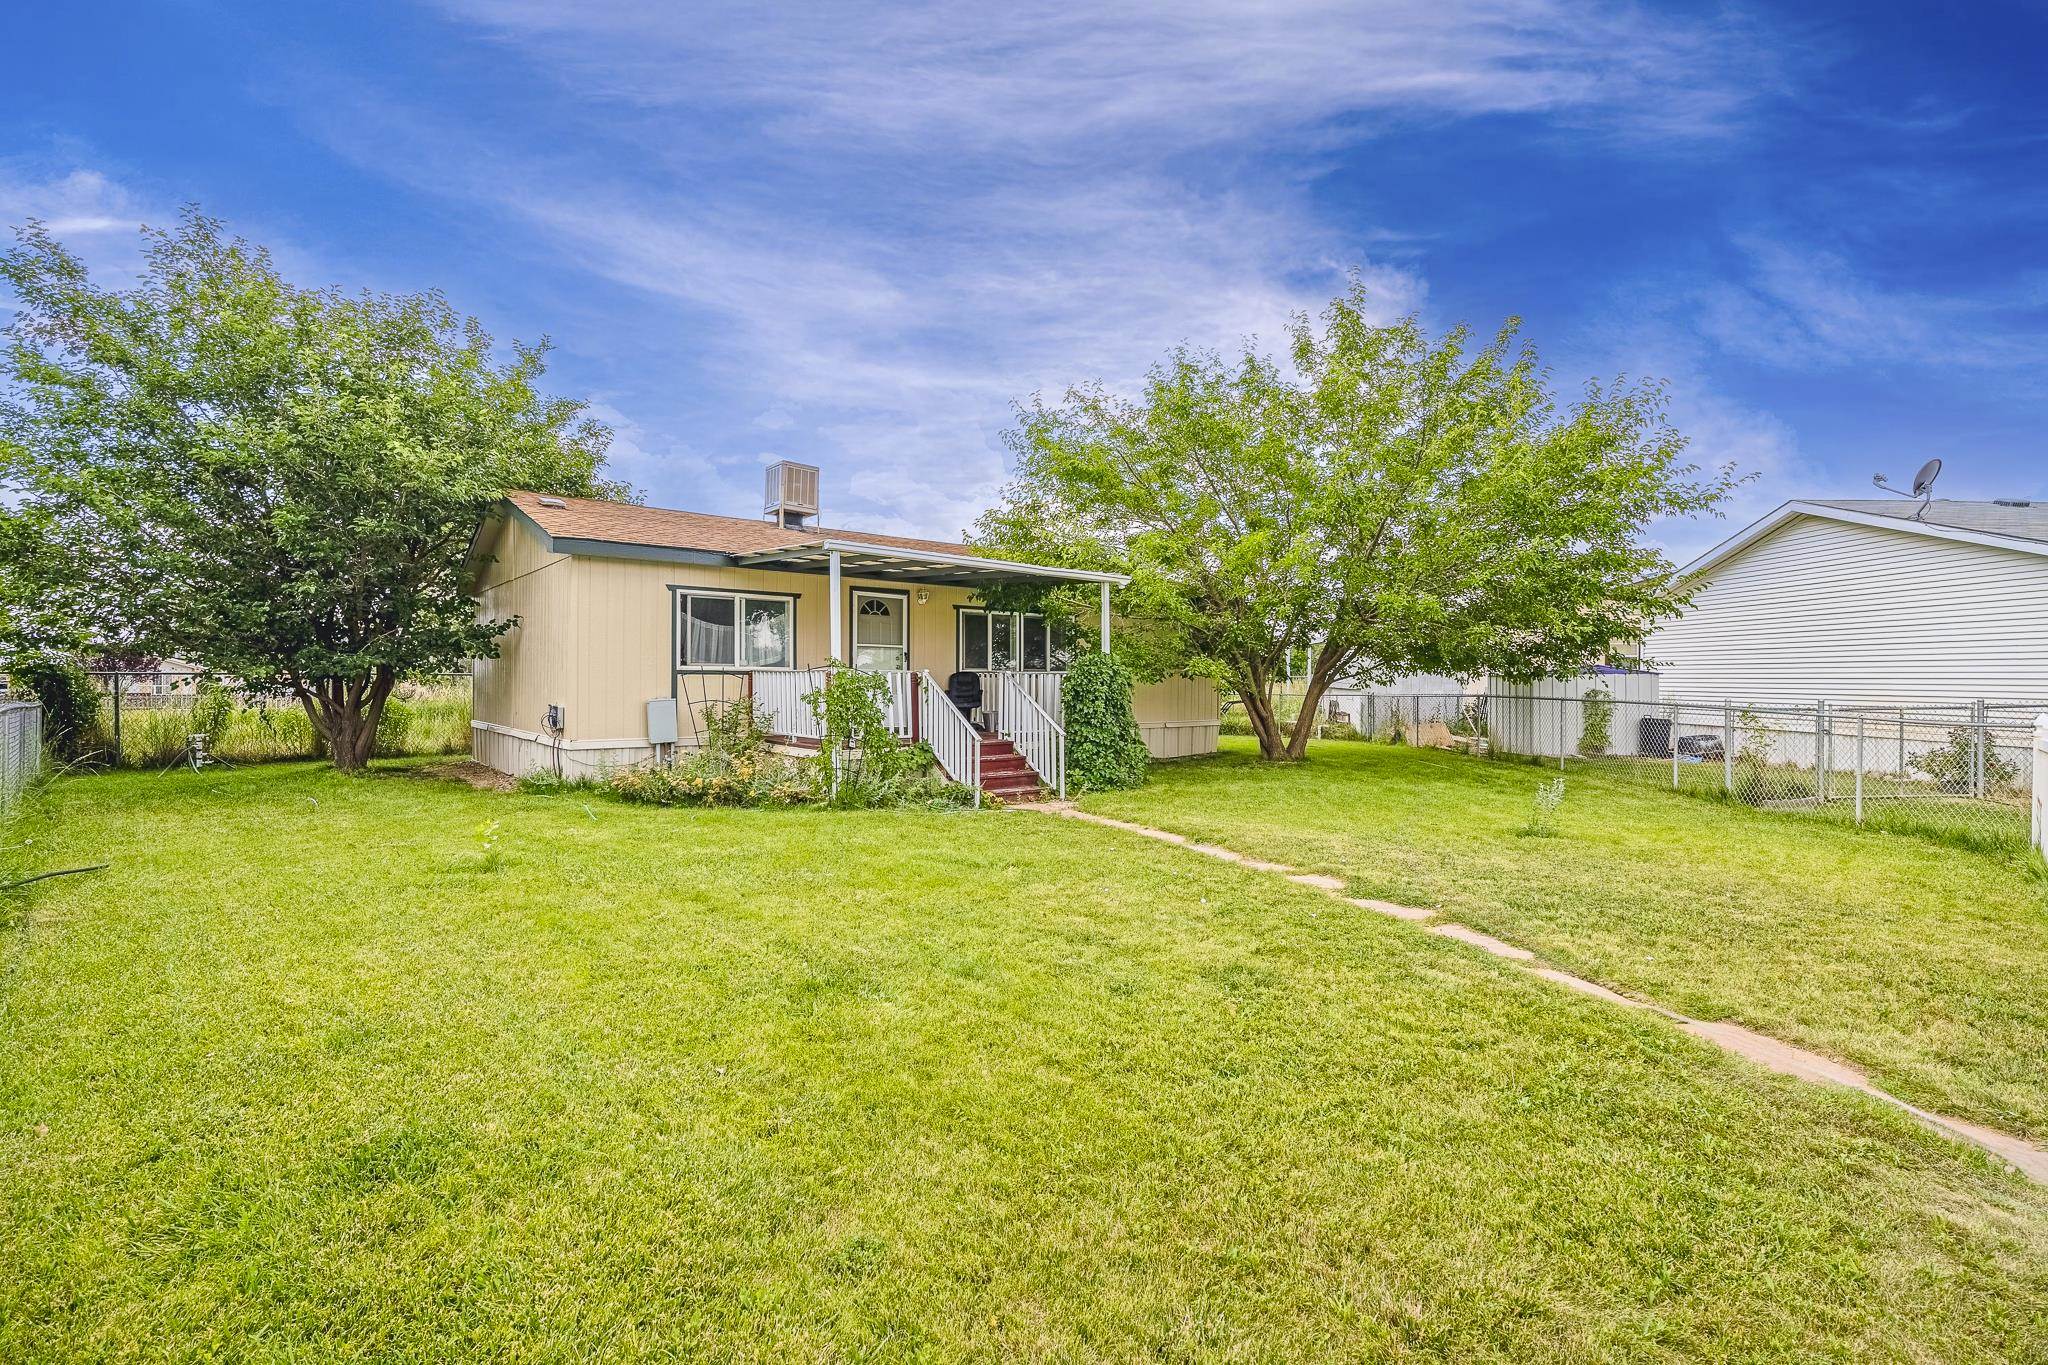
(520, 752)
(1179, 738)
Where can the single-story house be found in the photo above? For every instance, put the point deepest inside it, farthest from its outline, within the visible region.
(632, 620)
(1866, 601)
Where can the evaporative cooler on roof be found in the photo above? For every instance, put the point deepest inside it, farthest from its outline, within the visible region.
(792, 493)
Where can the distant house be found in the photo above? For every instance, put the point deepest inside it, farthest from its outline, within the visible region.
(1861, 600)
(634, 620)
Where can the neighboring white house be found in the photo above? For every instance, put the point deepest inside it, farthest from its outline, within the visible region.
(1859, 601)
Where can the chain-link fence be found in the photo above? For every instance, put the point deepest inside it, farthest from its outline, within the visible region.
(1960, 773)
(148, 720)
(21, 747)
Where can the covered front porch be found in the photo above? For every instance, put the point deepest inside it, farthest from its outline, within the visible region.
(994, 719)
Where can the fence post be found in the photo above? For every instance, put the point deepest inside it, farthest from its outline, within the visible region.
(1560, 732)
(1859, 769)
(1822, 732)
(117, 718)
(1728, 747)
(1980, 717)
(1372, 714)
(1672, 739)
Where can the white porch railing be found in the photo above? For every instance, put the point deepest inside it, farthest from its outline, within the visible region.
(955, 742)
(901, 706)
(1039, 738)
(1041, 685)
(779, 701)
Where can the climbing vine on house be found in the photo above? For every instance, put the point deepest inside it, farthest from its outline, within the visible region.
(1105, 750)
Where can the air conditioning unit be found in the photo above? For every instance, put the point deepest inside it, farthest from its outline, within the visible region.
(792, 494)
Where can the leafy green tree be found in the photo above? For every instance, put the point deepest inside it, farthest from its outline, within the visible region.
(1386, 503)
(278, 483)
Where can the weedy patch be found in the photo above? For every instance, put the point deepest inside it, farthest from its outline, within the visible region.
(1543, 808)
(487, 856)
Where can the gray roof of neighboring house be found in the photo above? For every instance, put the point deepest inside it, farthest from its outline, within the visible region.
(2020, 525)
(1997, 519)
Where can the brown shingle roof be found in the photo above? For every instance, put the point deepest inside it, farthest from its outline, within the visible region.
(625, 524)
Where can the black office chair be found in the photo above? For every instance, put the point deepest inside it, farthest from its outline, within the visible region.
(964, 691)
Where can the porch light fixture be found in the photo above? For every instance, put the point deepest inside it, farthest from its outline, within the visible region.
(924, 595)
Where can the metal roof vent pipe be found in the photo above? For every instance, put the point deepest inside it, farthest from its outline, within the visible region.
(791, 497)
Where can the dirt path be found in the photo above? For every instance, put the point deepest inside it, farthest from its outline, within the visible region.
(1765, 1051)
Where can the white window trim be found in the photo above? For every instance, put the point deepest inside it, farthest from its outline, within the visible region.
(738, 597)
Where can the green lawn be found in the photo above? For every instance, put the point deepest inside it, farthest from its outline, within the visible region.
(1925, 964)
(306, 1075)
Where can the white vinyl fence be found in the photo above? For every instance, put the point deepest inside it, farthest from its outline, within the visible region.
(21, 747)
(2039, 834)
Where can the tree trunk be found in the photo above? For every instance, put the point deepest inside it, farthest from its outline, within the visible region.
(345, 713)
(1257, 697)
(1327, 667)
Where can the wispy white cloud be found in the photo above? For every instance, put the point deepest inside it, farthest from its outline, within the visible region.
(1721, 432)
(1809, 308)
(1051, 78)
(72, 203)
(924, 212)
(901, 352)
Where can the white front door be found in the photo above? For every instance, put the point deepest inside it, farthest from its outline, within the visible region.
(881, 631)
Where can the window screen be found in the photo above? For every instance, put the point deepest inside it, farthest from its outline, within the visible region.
(1037, 643)
(974, 640)
(1002, 641)
(767, 642)
(709, 632)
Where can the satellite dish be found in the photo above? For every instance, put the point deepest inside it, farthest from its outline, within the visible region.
(1923, 486)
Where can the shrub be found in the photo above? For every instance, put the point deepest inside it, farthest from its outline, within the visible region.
(736, 728)
(275, 728)
(1105, 751)
(709, 777)
(1596, 722)
(71, 701)
(1953, 765)
(438, 717)
(860, 761)
(1339, 727)
(212, 709)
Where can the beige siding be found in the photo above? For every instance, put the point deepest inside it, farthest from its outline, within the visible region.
(530, 671)
(1177, 716)
(1822, 608)
(618, 635)
(597, 636)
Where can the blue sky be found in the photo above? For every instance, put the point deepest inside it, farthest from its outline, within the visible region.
(855, 235)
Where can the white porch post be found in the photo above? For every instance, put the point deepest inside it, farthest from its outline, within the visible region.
(1105, 618)
(832, 587)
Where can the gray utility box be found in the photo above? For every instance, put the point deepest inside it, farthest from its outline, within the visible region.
(661, 720)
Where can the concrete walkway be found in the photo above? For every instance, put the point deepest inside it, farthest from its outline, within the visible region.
(1768, 1052)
